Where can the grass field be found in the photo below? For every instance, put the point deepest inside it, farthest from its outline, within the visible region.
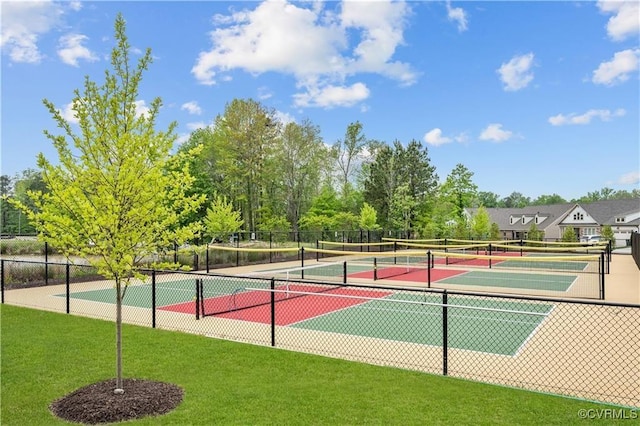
(47, 355)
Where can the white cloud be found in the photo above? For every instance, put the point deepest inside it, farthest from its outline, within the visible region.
(602, 114)
(494, 132)
(516, 74)
(69, 114)
(70, 49)
(141, 108)
(331, 96)
(617, 70)
(625, 22)
(434, 137)
(632, 178)
(75, 5)
(320, 57)
(284, 117)
(22, 23)
(192, 108)
(458, 15)
(196, 125)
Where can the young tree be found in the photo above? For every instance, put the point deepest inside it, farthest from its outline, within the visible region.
(368, 218)
(534, 233)
(481, 224)
(607, 234)
(115, 198)
(569, 235)
(221, 220)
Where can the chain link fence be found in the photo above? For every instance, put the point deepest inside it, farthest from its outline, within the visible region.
(575, 348)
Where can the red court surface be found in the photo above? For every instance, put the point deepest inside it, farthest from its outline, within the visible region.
(418, 275)
(289, 309)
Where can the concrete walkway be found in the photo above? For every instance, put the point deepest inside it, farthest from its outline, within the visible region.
(622, 284)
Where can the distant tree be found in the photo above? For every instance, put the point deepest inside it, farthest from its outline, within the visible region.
(494, 234)
(113, 199)
(569, 235)
(534, 233)
(6, 185)
(368, 218)
(487, 199)
(459, 190)
(516, 200)
(221, 220)
(348, 152)
(547, 200)
(462, 229)
(403, 208)
(481, 224)
(607, 234)
(300, 159)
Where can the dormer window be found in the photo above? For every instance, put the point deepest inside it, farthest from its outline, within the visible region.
(619, 219)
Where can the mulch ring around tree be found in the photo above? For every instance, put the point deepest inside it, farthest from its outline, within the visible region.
(97, 403)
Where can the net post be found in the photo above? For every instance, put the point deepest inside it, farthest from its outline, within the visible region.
(197, 299)
(344, 272)
(375, 268)
(490, 249)
(429, 269)
(273, 312)
(153, 298)
(445, 332)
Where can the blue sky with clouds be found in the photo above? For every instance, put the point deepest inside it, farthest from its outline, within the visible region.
(534, 97)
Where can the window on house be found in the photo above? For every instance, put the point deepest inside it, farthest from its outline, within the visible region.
(578, 216)
(619, 219)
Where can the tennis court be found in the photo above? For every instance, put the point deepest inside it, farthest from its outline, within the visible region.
(367, 312)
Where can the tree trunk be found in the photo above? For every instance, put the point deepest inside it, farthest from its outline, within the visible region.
(118, 389)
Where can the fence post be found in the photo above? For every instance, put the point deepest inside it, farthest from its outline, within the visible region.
(2, 279)
(601, 273)
(445, 333)
(175, 253)
(344, 272)
(67, 280)
(197, 299)
(301, 251)
(273, 312)
(429, 269)
(46, 263)
(153, 298)
(206, 256)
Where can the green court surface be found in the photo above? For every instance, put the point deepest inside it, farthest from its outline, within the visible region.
(316, 270)
(547, 265)
(485, 325)
(512, 280)
(167, 293)
(499, 327)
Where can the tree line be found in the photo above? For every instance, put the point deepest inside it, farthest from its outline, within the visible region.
(283, 176)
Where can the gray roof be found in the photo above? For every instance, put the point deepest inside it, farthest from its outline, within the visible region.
(604, 212)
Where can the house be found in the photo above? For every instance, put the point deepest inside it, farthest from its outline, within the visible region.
(585, 218)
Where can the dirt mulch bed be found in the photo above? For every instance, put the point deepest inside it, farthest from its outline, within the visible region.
(97, 403)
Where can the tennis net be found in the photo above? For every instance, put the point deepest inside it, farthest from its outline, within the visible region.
(222, 294)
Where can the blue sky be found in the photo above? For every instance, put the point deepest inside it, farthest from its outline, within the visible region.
(534, 97)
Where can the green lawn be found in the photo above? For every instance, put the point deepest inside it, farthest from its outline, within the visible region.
(47, 355)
